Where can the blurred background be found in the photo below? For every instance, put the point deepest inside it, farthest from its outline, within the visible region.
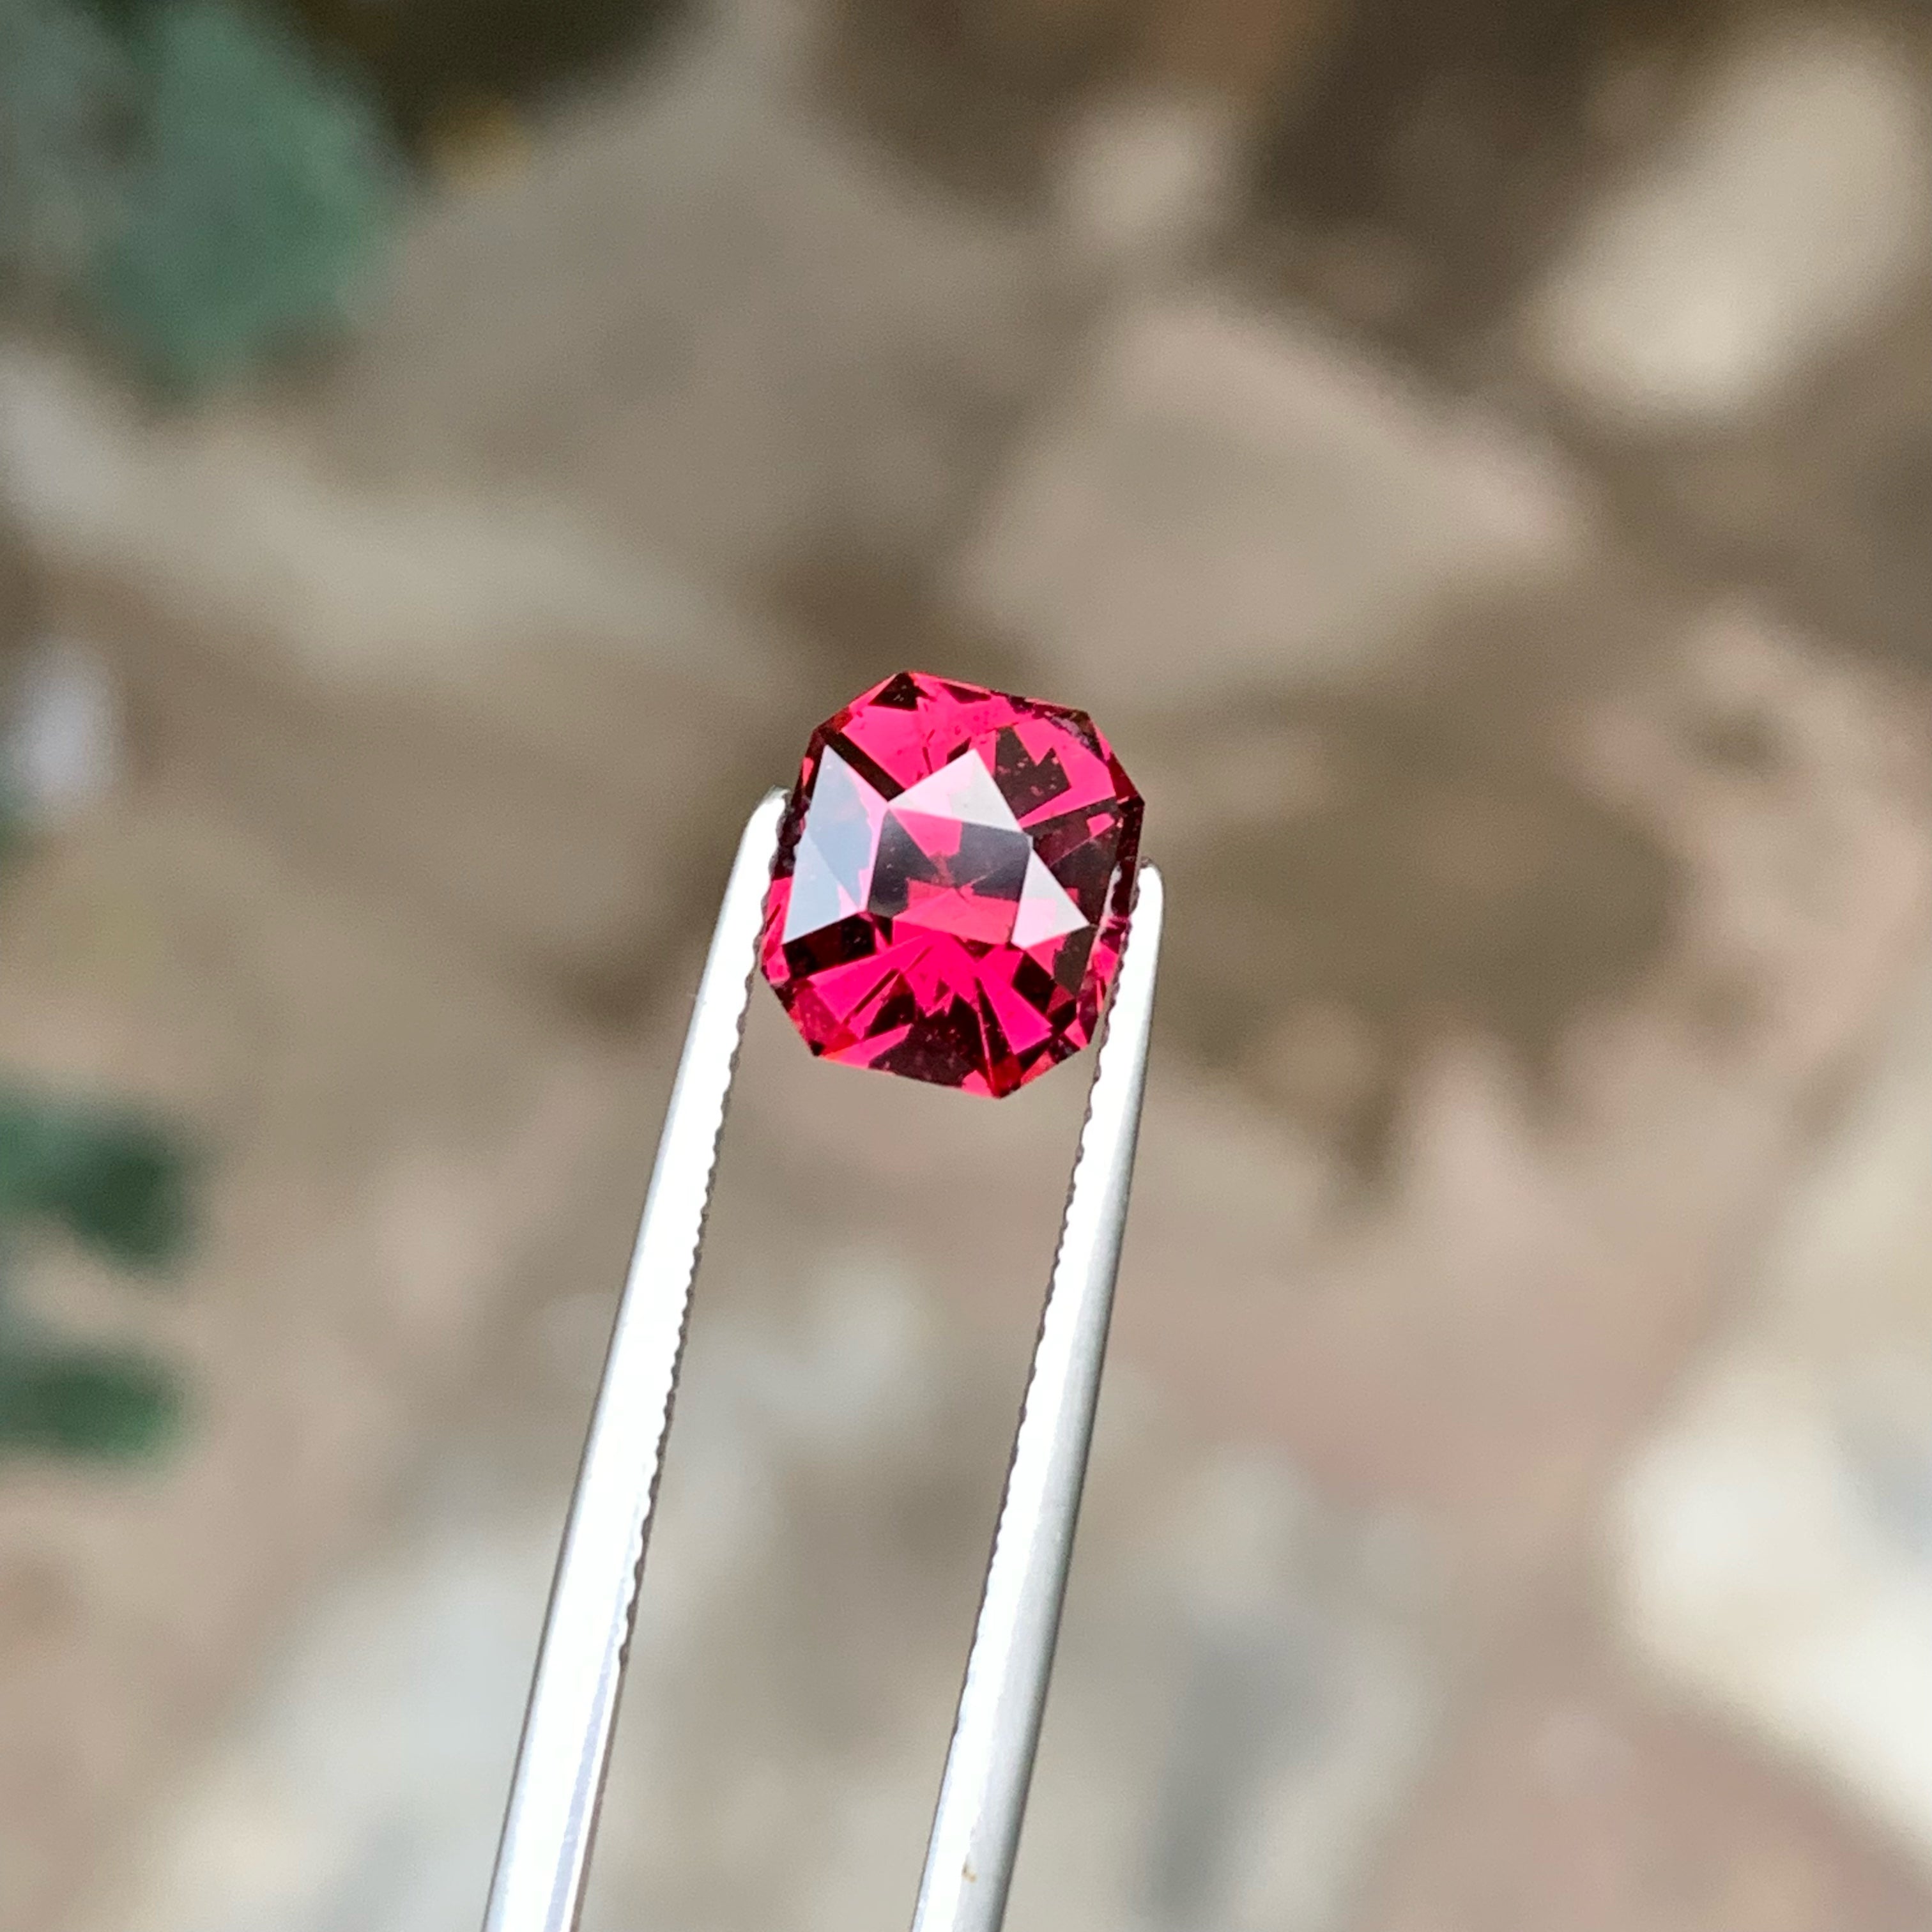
(1473, 458)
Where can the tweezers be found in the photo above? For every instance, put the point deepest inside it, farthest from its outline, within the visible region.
(538, 1885)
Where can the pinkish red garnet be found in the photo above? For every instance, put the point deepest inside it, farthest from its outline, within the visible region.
(951, 891)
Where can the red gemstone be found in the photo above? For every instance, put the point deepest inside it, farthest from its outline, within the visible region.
(951, 891)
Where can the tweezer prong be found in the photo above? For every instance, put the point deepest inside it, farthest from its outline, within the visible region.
(538, 1885)
(554, 1793)
(976, 1831)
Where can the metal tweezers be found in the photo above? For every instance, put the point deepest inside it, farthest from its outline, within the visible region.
(538, 1885)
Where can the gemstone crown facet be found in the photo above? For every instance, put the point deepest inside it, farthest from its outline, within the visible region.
(954, 874)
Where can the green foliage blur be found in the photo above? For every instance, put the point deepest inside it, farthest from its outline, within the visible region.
(118, 1183)
(187, 179)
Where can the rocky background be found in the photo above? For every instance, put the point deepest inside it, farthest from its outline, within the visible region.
(1475, 458)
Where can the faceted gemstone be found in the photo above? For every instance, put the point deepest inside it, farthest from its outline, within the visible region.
(950, 895)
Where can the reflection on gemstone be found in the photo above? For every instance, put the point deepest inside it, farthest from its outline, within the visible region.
(950, 894)
(836, 851)
(1045, 911)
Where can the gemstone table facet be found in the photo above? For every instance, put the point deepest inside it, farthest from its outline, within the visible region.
(953, 878)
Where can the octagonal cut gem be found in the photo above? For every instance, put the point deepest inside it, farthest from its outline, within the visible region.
(951, 891)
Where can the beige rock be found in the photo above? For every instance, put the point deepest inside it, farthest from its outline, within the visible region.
(1595, 1090)
(1229, 501)
(1254, 51)
(474, 698)
(1774, 1542)
(1574, 1796)
(1793, 204)
(1144, 177)
(710, 323)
